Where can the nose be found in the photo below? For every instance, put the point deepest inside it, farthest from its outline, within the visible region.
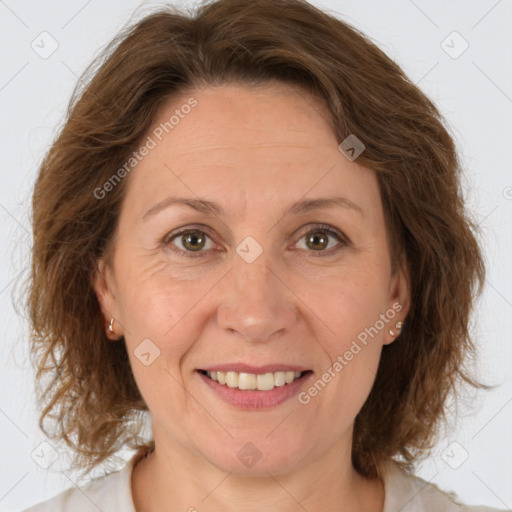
(257, 306)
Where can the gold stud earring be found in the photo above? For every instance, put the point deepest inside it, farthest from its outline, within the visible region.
(399, 325)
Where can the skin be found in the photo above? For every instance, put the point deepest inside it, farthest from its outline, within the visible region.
(254, 151)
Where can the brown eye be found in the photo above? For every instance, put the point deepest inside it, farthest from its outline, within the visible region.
(190, 241)
(322, 239)
(193, 240)
(317, 240)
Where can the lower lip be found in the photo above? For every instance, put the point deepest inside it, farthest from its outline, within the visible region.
(255, 399)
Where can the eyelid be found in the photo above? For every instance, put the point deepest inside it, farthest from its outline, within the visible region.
(344, 241)
(311, 227)
(180, 231)
(325, 227)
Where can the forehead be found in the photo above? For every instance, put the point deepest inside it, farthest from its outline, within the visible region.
(268, 142)
(236, 116)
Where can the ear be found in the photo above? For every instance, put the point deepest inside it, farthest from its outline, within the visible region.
(104, 286)
(399, 300)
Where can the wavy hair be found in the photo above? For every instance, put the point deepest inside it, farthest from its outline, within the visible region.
(84, 383)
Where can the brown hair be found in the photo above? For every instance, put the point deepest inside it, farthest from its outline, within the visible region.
(92, 396)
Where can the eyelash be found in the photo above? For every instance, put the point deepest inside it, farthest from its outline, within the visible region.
(317, 227)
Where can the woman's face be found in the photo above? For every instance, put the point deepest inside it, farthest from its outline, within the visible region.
(271, 278)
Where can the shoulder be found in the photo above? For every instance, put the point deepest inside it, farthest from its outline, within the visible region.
(409, 493)
(110, 493)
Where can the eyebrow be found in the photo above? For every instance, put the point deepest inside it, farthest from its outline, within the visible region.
(208, 207)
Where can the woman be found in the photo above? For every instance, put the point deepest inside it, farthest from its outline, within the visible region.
(251, 229)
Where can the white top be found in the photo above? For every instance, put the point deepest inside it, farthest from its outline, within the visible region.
(112, 493)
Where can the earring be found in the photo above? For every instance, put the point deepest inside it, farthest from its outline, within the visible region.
(111, 326)
(391, 332)
(399, 325)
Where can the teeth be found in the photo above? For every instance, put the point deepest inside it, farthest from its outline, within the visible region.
(279, 379)
(250, 381)
(232, 379)
(265, 382)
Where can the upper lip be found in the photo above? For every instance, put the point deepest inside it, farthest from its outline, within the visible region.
(246, 368)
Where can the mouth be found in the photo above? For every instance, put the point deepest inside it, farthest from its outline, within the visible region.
(245, 381)
(252, 387)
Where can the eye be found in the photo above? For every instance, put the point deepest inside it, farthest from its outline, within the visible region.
(318, 240)
(195, 243)
(190, 241)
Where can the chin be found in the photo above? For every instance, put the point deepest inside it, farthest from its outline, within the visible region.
(256, 458)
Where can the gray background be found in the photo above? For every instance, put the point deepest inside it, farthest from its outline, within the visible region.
(473, 91)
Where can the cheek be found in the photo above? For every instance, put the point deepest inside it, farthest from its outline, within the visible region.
(153, 299)
(156, 302)
(161, 329)
(157, 312)
(348, 299)
(352, 306)
(351, 359)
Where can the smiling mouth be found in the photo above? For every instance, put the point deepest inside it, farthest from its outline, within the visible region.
(251, 381)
